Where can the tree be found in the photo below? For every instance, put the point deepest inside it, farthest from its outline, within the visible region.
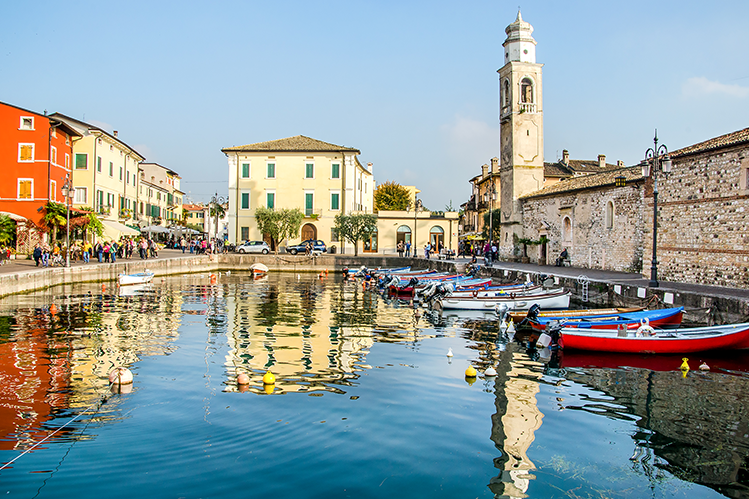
(449, 207)
(391, 196)
(7, 229)
(355, 228)
(279, 224)
(494, 222)
(54, 217)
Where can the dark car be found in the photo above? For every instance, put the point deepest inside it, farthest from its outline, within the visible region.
(317, 247)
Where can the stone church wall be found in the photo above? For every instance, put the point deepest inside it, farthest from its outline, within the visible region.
(703, 229)
(590, 243)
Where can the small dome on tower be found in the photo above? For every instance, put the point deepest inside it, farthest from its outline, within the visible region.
(520, 45)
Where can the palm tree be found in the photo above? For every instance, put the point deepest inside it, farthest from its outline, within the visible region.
(54, 217)
(7, 229)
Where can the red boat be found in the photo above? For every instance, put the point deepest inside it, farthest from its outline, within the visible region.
(698, 339)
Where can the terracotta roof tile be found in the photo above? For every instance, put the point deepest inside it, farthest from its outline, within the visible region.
(298, 143)
(729, 139)
(591, 181)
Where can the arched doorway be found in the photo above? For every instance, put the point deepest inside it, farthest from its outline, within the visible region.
(403, 235)
(370, 243)
(437, 237)
(309, 231)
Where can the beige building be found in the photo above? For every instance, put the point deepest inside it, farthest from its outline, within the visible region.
(195, 216)
(320, 178)
(159, 195)
(105, 176)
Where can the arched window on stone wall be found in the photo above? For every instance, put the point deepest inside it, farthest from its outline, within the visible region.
(505, 93)
(526, 91)
(567, 232)
(609, 216)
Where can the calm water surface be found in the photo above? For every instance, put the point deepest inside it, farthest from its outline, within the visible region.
(366, 403)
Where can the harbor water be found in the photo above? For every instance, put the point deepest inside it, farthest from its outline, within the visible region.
(366, 403)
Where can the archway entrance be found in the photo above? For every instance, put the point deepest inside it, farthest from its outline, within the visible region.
(309, 231)
(437, 237)
(370, 244)
(403, 235)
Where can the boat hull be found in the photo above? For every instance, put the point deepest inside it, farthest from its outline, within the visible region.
(665, 317)
(131, 279)
(545, 301)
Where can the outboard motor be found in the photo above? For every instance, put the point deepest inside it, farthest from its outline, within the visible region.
(551, 338)
(501, 311)
(531, 316)
(411, 283)
(428, 291)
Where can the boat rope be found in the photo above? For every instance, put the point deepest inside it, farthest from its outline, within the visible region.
(100, 403)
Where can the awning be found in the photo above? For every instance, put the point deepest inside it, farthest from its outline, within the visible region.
(155, 229)
(114, 230)
(13, 216)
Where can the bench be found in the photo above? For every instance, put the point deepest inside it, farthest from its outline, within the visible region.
(446, 254)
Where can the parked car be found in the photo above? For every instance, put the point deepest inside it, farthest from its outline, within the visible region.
(317, 245)
(253, 247)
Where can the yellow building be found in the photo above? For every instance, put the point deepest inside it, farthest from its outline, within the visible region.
(195, 216)
(105, 176)
(319, 178)
(159, 195)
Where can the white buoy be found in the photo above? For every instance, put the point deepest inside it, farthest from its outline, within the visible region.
(228, 272)
(503, 326)
(449, 352)
(490, 371)
(511, 327)
(120, 376)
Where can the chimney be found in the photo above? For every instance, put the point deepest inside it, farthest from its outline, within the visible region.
(484, 170)
(620, 163)
(566, 157)
(495, 165)
(369, 167)
(601, 161)
(115, 133)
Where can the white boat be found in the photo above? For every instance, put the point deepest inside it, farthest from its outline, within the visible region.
(504, 292)
(139, 278)
(554, 300)
(259, 269)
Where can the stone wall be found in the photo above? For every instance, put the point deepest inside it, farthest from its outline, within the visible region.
(703, 224)
(590, 243)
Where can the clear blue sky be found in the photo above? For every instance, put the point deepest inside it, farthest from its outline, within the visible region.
(413, 85)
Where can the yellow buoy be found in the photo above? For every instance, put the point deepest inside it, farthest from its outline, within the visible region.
(471, 372)
(269, 379)
(269, 389)
(684, 364)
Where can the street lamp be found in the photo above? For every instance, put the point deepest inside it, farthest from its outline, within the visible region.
(417, 206)
(216, 200)
(656, 159)
(68, 191)
(492, 195)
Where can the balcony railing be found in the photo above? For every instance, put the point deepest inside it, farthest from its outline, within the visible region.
(313, 213)
(527, 107)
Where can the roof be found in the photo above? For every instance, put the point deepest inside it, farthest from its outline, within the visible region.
(90, 128)
(607, 178)
(727, 140)
(193, 207)
(575, 167)
(298, 143)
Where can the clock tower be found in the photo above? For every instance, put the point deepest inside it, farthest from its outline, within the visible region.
(521, 128)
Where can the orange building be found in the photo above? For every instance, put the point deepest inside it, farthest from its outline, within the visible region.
(36, 152)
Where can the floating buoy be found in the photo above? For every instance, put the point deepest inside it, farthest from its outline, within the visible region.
(228, 272)
(684, 364)
(490, 371)
(511, 327)
(704, 367)
(53, 309)
(269, 389)
(269, 379)
(449, 352)
(120, 376)
(502, 326)
(471, 372)
(243, 379)
(103, 288)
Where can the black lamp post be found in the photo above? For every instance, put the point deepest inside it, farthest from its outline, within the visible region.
(417, 207)
(492, 195)
(216, 200)
(656, 159)
(67, 192)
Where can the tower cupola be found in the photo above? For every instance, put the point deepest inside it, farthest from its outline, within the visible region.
(520, 45)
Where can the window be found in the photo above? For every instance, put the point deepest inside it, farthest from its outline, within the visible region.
(53, 190)
(128, 177)
(270, 200)
(403, 234)
(436, 237)
(98, 164)
(120, 174)
(335, 200)
(309, 203)
(567, 231)
(158, 196)
(53, 155)
(271, 170)
(100, 199)
(245, 170)
(26, 153)
(244, 233)
(245, 201)
(67, 161)
(506, 93)
(81, 195)
(27, 123)
(335, 170)
(26, 188)
(610, 215)
(111, 169)
(309, 170)
(526, 91)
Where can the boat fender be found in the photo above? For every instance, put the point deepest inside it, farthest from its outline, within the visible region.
(471, 372)
(645, 328)
(243, 379)
(269, 379)
(121, 376)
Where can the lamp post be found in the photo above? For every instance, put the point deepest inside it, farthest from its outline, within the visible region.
(417, 206)
(216, 200)
(67, 192)
(656, 159)
(492, 195)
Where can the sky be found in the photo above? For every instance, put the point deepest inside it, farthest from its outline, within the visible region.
(412, 84)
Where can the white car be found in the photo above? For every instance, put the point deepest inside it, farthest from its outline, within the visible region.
(253, 247)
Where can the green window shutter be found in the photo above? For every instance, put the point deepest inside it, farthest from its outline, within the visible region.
(271, 200)
(245, 200)
(245, 170)
(98, 164)
(334, 201)
(310, 170)
(81, 162)
(271, 170)
(336, 171)
(308, 198)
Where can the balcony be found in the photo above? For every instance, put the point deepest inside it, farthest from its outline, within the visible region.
(527, 107)
(312, 213)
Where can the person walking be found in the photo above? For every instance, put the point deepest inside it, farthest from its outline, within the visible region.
(37, 254)
(113, 248)
(408, 249)
(400, 249)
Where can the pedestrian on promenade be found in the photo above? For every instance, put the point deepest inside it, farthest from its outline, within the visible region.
(400, 249)
(408, 249)
(113, 251)
(86, 251)
(182, 244)
(45, 256)
(37, 254)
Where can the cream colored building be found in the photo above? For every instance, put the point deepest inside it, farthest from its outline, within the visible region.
(319, 178)
(105, 176)
(159, 195)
